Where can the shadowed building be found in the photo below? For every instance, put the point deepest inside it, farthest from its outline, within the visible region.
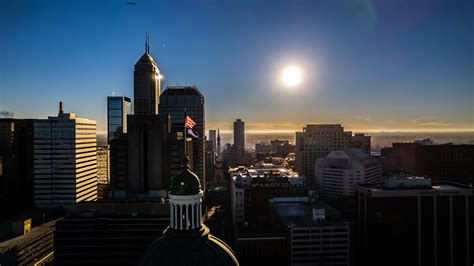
(412, 221)
(174, 101)
(148, 154)
(16, 165)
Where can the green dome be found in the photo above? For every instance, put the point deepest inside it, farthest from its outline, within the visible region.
(186, 182)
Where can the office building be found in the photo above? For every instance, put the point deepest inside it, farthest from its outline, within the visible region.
(446, 162)
(317, 235)
(414, 221)
(263, 148)
(103, 165)
(218, 148)
(118, 107)
(65, 160)
(109, 233)
(148, 154)
(146, 84)
(119, 165)
(213, 138)
(16, 165)
(361, 141)
(210, 160)
(174, 101)
(318, 141)
(252, 188)
(337, 173)
(239, 135)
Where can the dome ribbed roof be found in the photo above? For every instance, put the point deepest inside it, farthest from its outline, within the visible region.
(178, 248)
(186, 182)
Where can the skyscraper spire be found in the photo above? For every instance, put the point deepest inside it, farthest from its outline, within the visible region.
(146, 42)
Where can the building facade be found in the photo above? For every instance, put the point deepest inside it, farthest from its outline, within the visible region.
(118, 107)
(413, 221)
(65, 160)
(318, 141)
(103, 166)
(148, 154)
(175, 101)
(16, 165)
(337, 173)
(361, 141)
(446, 162)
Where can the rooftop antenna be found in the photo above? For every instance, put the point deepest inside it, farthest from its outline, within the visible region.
(146, 42)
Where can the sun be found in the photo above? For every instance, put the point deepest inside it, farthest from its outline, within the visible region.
(292, 76)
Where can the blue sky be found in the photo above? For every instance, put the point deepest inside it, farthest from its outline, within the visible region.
(370, 65)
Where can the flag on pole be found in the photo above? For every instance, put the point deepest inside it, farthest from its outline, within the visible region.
(189, 124)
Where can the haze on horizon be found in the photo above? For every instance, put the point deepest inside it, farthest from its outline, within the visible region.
(368, 65)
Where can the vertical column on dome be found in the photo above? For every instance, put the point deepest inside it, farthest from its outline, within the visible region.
(193, 224)
(171, 215)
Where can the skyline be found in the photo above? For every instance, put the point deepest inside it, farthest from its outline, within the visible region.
(388, 66)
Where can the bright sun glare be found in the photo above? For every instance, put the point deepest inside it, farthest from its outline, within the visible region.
(292, 76)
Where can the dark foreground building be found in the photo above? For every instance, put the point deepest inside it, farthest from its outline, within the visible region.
(33, 248)
(109, 233)
(411, 221)
(446, 162)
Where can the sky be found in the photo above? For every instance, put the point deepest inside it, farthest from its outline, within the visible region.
(369, 65)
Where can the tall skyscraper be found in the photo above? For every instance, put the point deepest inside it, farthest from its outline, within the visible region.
(239, 135)
(218, 149)
(213, 138)
(174, 101)
(147, 84)
(118, 107)
(65, 160)
(318, 141)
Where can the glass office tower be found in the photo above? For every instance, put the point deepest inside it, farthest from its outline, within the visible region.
(118, 107)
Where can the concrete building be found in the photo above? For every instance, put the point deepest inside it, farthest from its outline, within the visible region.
(361, 141)
(318, 141)
(65, 160)
(337, 173)
(239, 135)
(414, 221)
(118, 107)
(252, 188)
(174, 101)
(146, 84)
(148, 154)
(16, 165)
(317, 235)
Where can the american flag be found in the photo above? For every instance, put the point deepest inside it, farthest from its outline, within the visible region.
(189, 122)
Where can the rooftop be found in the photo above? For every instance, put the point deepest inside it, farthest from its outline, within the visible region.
(299, 213)
(413, 186)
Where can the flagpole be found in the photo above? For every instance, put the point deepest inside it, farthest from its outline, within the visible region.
(184, 133)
